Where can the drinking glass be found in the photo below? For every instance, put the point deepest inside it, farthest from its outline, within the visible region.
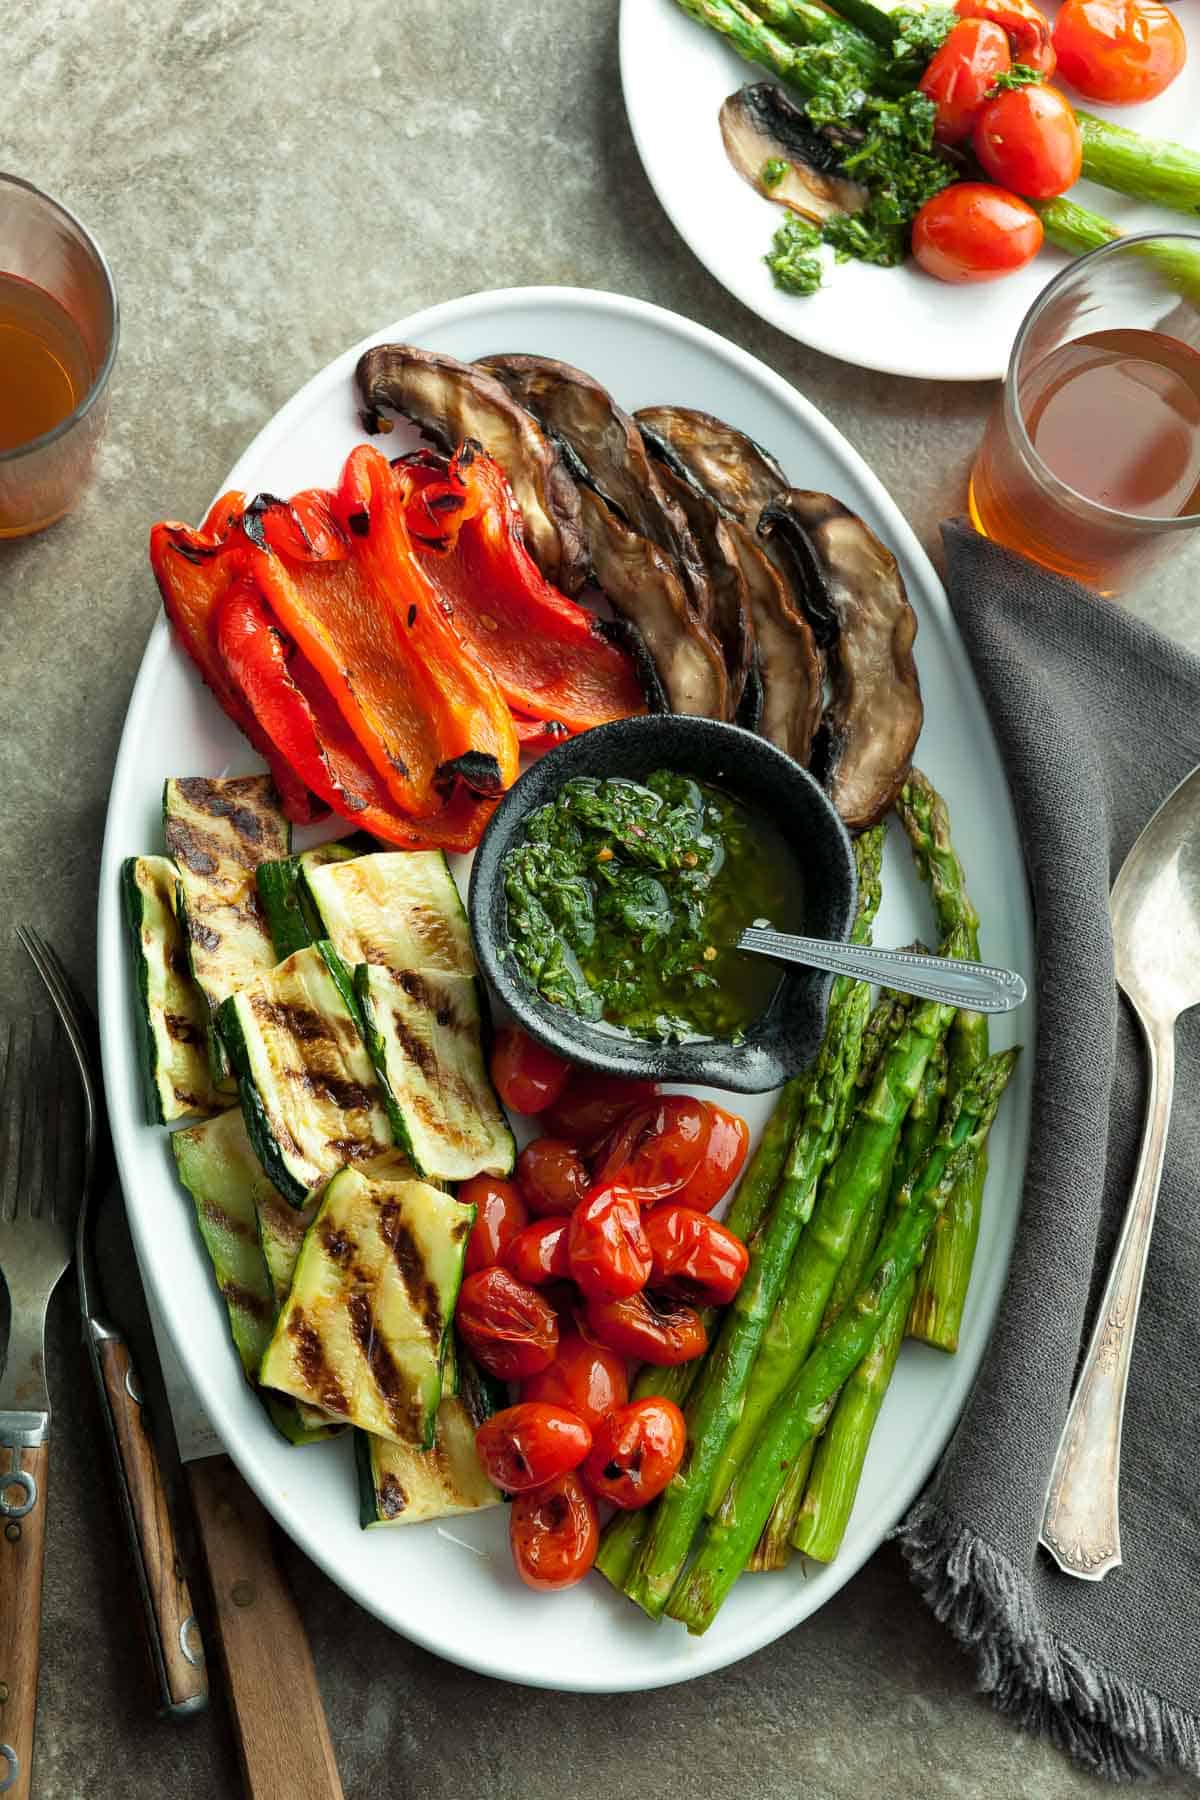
(1145, 283)
(44, 245)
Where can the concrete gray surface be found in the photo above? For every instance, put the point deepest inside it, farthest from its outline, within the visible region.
(270, 182)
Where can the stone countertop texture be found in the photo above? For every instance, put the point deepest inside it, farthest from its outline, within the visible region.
(270, 183)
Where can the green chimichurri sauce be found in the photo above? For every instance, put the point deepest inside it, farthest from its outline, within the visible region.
(625, 901)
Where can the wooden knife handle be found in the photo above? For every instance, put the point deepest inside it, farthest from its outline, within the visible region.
(23, 1476)
(278, 1716)
(176, 1649)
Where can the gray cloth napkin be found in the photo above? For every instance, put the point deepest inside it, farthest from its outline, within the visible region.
(1098, 718)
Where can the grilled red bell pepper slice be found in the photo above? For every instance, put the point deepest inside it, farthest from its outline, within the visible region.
(194, 570)
(550, 656)
(288, 701)
(373, 629)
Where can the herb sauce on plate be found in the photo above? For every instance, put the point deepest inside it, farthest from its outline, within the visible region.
(624, 902)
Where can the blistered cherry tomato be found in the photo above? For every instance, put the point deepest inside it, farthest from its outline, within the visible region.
(649, 1328)
(1119, 51)
(499, 1215)
(692, 1257)
(606, 1245)
(635, 1452)
(526, 1075)
(538, 1253)
(1027, 140)
(555, 1533)
(722, 1163)
(592, 1104)
(960, 74)
(587, 1377)
(506, 1325)
(553, 1176)
(1025, 26)
(656, 1148)
(975, 232)
(526, 1445)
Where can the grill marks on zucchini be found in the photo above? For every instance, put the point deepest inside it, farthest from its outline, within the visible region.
(218, 831)
(172, 1021)
(236, 1210)
(398, 908)
(309, 1094)
(365, 1329)
(399, 1485)
(423, 1030)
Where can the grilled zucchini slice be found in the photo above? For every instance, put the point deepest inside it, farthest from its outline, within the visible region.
(365, 1329)
(290, 919)
(234, 1200)
(172, 1020)
(309, 1094)
(217, 832)
(422, 1029)
(398, 1485)
(398, 907)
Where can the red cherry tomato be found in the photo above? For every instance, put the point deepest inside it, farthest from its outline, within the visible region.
(656, 1148)
(499, 1215)
(960, 74)
(606, 1245)
(975, 232)
(1027, 140)
(724, 1156)
(1027, 29)
(1120, 51)
(635, 1452)
(555, 1533)
(692, 1257)
(529, 1444)
(586, 1377)
(593, 1104)
(649, 1328)
(506, 1325)
(553, 1176)
(526, 1075)
(538, 1253)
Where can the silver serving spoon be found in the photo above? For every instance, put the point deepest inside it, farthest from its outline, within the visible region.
(1155, 910)
(977, 986)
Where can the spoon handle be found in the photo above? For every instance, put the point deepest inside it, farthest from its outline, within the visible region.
(1081, 1528)
(976, 986)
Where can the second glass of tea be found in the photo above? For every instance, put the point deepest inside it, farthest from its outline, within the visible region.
(1091, 460)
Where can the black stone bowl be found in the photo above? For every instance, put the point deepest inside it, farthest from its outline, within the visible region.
(787, 1036)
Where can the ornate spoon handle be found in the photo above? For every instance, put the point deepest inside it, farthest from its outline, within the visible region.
(1081, 1528)
(978, 986)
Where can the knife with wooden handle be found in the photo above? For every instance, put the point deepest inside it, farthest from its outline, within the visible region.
(282, 1734)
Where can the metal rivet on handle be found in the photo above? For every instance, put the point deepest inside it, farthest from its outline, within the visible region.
(242, 1593)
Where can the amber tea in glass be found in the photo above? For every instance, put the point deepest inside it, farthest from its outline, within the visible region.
(58, 340)
(1091, 460)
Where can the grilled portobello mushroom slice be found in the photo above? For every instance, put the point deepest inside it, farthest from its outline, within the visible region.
(871, 726)
(577, 411)
(450, 400)
(641, 586)
(731, 468)
(732, 475)
(765, 135)
(731, 622)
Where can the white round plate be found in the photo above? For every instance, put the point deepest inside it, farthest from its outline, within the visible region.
(900, 321)
(452, 1587)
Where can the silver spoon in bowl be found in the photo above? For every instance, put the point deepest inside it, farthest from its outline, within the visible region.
(980, 987)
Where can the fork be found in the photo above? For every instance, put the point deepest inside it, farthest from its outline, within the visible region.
(172, 1634)
(45, 1159)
